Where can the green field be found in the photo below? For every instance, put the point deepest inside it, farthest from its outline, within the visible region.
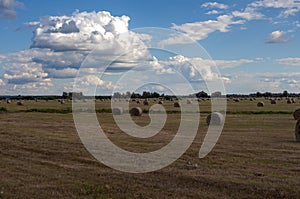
(41, 155)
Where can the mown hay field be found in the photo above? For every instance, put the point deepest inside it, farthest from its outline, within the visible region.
(256, 156)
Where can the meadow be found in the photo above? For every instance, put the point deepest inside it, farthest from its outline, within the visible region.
(41, 155)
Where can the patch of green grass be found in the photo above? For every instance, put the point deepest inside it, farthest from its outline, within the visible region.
(49, 110)
(3, 109)
(104, 110)
(259, 112)
(95, 191)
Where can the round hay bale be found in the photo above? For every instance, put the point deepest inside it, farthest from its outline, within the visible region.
(19, 103)
(297, 131)
(273, 101)
(189, 101)
(137, 111)
(289, 101)
(8, 101)
(215, 118)
(146, 103)
(176, 105)
(260, 104)
(293, 100)
(296, 114)
(236, 100)
(117, 111)
(160, 102)
(62, 101)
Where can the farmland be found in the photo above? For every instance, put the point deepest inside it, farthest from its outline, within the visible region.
(256, 156)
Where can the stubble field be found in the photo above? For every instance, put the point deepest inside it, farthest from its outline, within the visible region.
(41, 155)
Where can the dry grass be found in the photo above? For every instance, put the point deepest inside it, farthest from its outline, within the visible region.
(256, 157)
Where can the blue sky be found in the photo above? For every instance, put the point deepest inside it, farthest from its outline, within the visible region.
(254, 44)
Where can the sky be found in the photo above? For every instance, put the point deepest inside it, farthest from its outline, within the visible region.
(248, 46)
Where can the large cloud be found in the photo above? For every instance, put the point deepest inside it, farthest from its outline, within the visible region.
(81, 31)
(61, 43)
(200, 30)
(20, 69)
(196, 69)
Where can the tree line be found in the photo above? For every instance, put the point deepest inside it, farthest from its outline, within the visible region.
(148, 94)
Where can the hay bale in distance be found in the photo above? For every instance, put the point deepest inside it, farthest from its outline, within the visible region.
(215, 118)
(189, 101)
(137, 111)
(260, 104)
(176, 105)
(293, 100)
(160, 102)
(19, 103)
(146, 103)
(289, 101)
(8, 101)
(117, 111)
(296, 114)
(273, 101)
(297, 131)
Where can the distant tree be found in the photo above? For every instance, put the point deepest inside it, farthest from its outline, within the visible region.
(216, 94)
(65, 95)
(268, 94)
(155, 95)
(76, 95)
(135, 95)
(258, 94)
(202, 94)
(146, 94)
(285, 94)
(117, 95)
(128, 94)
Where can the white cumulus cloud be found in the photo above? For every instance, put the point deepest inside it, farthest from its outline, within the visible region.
(277, 37)
(81, 31)
(61, 43)
(249, 14)
(214, 5)
(213, 12)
